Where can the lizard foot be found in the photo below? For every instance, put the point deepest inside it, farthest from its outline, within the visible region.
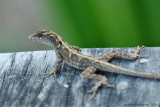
(94, 89)
(49, 73)
(137, 52)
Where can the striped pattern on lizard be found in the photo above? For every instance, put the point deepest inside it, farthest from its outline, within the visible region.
(72, 56)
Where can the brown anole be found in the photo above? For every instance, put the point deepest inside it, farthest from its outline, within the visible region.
(72, 56)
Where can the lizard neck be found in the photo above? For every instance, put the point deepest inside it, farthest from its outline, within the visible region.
(60, 45)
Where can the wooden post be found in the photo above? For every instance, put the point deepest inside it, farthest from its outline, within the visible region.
(22, 85)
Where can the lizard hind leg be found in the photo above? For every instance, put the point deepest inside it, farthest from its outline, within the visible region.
(109, 56)
(90, 74)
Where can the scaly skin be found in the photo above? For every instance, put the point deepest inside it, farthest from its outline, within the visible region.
(72, 56)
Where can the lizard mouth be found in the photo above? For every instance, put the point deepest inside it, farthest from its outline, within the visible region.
(31, 37)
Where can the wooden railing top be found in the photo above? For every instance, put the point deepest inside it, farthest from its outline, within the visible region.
(22, 85)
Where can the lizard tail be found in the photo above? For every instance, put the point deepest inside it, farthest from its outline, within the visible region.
(116, 69)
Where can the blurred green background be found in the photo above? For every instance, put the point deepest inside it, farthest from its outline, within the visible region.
(83, 23)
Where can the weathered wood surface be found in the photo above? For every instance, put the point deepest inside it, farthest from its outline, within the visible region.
(22, 85)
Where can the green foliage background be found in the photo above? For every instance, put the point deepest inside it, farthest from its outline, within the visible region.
(108, 23)
(88, 23)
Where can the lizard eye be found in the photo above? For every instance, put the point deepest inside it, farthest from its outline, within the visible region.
(39, 35)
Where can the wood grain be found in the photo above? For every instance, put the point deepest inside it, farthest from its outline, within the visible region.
(22, 85)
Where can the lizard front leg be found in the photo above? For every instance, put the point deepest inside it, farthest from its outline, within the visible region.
(90, 74)
(59, 59)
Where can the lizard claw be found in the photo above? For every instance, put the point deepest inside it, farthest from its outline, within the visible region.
(45, 75)
(94, 89)
(48, 74)
(138, 49)
(137, 53)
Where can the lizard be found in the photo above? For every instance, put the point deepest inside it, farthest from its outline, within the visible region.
(72, 56)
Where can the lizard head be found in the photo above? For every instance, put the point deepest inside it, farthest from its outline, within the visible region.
(44, 36)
